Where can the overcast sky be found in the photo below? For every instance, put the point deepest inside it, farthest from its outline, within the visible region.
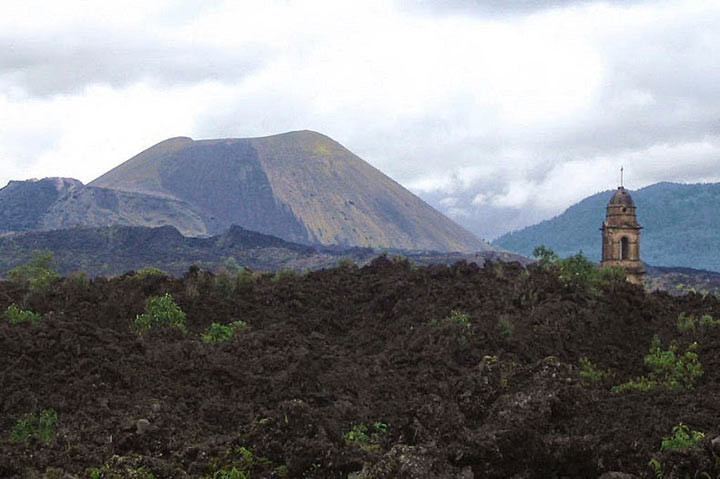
(500, 113)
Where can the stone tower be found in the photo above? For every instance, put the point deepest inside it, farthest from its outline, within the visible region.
(621, 236)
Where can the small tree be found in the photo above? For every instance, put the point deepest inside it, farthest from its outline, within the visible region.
(218, 333)
(545, 255)
(578, 270)
(39, 273)
(161, 311)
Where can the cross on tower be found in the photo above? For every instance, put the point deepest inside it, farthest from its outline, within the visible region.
(621, 177)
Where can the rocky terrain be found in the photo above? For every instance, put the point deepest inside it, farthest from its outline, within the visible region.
(385, 371)
(24, 204)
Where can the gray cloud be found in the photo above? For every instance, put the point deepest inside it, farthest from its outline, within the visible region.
(495, 7)
(65, 64)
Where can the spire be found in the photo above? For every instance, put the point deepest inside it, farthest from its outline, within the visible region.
(621, 234)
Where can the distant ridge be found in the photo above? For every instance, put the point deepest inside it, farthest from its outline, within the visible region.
(681, 227)
(114, 250)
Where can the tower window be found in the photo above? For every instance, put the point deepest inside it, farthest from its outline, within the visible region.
(624, 250)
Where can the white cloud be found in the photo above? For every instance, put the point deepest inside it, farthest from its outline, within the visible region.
(84, 136)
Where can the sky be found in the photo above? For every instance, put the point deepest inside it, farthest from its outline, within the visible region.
(500, 114)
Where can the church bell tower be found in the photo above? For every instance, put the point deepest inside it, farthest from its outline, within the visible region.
(621, 236)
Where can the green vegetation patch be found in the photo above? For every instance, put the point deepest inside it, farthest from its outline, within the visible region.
(589, 373)
(668, 368)
(707, 321)
(681, 437)
(41, 426)
(218, 333)
(39, 273)
(505, 328)
(16, 315)
(109, 472)
(686, 323)
(149, 272)
(160, 311)
(362, 434)
(456, 317)
(242, 463)
(578, 270)
(283, 275)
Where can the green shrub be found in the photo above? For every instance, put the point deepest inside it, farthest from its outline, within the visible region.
(668, 368)
(611, 274)
(688, 323)
(671, 368)
(357, 433)
(545, 255)
(641, 384)
(685, 323)
(230, 473)
(578, 270)
(346, 263)
(224, 282)
(120, 472)
(657, 468)
(150, 271)
(380, 427)
(681, 438)
(361, 434)
(30, 425)
(78, 280)
(218, 333)
(241, 463)
(707, 321)
(245, 276)
(283, 275)
(589, 373)
(16, 315)
(231, 265)
(39, 273)
(161, 311)
(505, 328)
(456, 317)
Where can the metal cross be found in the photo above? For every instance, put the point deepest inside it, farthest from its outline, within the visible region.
(621, 177)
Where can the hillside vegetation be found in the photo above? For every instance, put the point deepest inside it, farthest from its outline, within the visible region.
(389, 371)
(681, 227)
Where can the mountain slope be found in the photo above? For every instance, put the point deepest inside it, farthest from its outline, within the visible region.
(681, 227)
(93, 207)
(300, 186)
(23, 204)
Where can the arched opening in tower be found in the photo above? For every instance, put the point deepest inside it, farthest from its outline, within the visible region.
(624, 250)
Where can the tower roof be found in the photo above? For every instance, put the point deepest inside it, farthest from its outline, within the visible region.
(621, 198)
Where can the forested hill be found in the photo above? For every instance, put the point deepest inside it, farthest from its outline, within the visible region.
(681, 227)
